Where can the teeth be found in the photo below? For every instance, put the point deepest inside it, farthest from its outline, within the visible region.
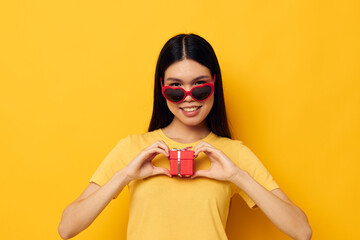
(190, 109)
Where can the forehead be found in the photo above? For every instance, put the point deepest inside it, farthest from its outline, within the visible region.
(186, 69)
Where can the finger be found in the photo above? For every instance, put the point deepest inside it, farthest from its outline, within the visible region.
(155, 151)
(205, 149)
(154, 144)
(164, 146)
(160, 144)
(160, 170)
(201, 173)
(201, 145)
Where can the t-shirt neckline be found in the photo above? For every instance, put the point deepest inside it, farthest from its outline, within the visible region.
(175, 143)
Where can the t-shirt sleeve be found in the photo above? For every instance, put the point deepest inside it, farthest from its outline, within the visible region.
(249, 162)
(112, 163)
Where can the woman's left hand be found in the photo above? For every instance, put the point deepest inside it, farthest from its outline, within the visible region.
(222, 168)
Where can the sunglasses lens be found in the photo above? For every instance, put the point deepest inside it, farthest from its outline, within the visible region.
(201, 93)
(174, 95)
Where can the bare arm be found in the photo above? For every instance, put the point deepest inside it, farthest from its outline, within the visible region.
(84, 210)
(286, 216)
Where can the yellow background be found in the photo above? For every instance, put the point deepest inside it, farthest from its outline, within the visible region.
(76, 76)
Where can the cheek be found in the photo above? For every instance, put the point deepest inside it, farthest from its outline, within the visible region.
(209, 103)
(171, 106)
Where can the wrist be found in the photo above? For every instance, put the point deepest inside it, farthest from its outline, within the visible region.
(124, 175)
(240, 177)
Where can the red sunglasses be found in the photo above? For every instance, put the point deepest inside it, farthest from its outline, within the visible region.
(178, 94)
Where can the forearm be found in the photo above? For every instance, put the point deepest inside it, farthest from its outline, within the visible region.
(285, 215)
(80, 214)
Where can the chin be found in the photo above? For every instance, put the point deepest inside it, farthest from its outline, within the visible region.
(192, 122)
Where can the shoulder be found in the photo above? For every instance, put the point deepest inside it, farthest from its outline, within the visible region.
(128, 147)
(140, 139)
(235, 150)
(226, 144)
(230, 147)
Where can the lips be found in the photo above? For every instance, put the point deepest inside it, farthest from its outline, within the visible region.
(190, 108)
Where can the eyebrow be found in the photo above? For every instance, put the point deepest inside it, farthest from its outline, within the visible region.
(179, 80)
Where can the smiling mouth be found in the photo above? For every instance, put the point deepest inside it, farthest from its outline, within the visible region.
(190, 109)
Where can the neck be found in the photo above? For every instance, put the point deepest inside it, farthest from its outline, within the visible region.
(184, 133)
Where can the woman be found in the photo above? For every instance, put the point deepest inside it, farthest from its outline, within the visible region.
(170, 207)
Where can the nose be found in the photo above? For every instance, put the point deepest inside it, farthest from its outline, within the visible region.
(188, 98)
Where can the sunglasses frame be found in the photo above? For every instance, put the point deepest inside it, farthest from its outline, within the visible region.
(212, 85)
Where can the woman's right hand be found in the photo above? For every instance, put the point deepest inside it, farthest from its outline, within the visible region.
(141, 166)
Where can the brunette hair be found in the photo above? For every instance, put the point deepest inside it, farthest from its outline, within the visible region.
(189, 46)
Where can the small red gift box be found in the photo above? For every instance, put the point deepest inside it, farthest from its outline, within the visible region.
(181, 162)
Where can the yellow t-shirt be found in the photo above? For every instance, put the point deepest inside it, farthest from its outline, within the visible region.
(180, 208)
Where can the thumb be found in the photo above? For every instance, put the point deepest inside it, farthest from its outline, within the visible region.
(160, 170)
(201, 173)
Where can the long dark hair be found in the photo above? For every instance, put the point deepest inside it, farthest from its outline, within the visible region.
(189, 46)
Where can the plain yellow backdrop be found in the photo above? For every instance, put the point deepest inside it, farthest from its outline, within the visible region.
(77, 76)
